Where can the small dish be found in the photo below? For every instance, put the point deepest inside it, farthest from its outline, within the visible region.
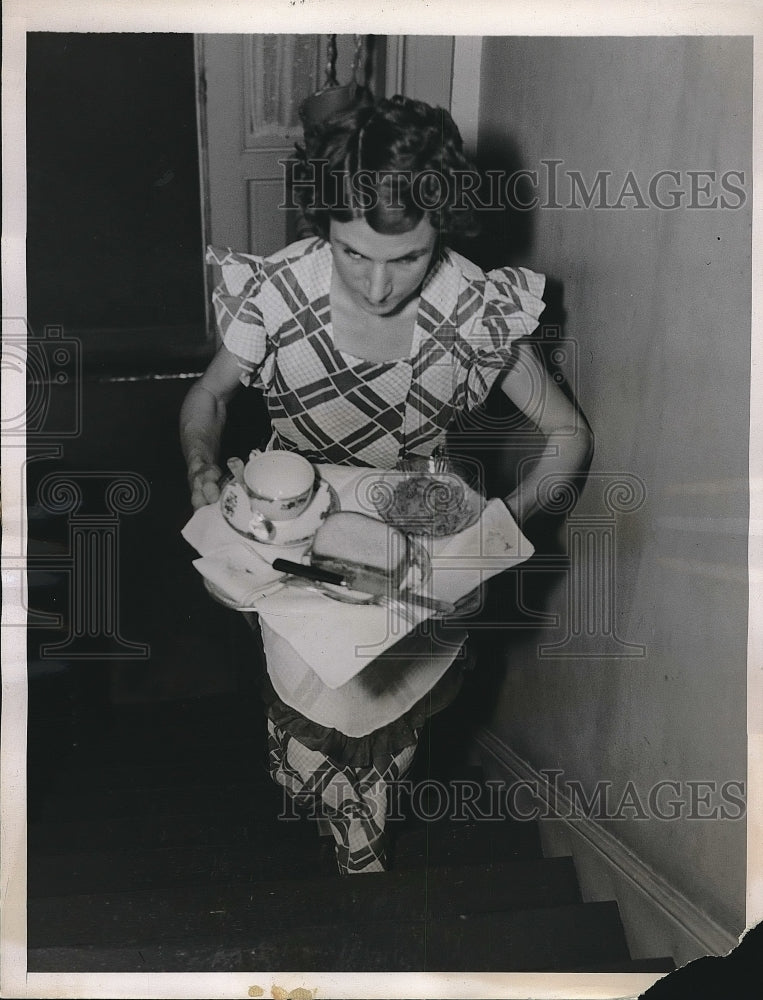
(435, 504)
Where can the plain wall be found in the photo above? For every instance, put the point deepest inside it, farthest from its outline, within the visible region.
(658, 306)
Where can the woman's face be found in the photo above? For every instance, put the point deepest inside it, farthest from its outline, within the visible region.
(381, 272)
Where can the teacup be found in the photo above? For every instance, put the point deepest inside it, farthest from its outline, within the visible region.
(280, 485)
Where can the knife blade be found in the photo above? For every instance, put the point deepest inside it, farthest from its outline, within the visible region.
(427, 603)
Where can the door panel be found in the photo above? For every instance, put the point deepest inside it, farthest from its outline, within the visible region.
(242, 146)
(269, 226)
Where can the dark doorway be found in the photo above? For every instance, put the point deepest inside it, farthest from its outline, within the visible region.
(114, 248)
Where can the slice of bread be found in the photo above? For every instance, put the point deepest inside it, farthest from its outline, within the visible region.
(372, 555)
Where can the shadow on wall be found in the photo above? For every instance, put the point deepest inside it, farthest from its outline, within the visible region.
(498, 434)
(501, 439)
(507, 229)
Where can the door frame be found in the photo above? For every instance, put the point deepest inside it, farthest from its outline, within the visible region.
(409, 67)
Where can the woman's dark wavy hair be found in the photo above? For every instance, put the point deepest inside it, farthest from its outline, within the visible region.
(390, 162)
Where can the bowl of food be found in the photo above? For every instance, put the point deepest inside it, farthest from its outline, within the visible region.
(432, 497)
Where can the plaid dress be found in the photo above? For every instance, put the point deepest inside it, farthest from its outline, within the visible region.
(273, 313)
(353, 800)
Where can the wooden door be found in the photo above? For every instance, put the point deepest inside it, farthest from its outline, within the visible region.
(250, 89)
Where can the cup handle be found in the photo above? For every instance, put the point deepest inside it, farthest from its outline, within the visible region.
(236, 468)
(261, 527)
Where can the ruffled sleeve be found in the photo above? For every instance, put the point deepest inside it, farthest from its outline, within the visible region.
(513, 304)
(237, 303)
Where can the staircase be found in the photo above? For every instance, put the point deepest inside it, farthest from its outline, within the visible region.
(156, 846)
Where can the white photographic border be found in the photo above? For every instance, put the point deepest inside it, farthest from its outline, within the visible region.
(488, 17)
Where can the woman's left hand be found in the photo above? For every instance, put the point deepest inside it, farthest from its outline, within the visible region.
(569, 440)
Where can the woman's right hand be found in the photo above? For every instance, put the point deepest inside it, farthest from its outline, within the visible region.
(202, 418)
(203, 479)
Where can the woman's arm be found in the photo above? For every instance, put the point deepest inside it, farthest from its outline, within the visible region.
(202, 418)
(569, 439)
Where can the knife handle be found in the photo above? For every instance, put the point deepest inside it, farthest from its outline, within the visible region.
(309, 572)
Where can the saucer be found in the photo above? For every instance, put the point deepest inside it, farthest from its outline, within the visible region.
(237, 511)
(344, 595)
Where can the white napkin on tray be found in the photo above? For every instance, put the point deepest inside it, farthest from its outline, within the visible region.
(336, 639)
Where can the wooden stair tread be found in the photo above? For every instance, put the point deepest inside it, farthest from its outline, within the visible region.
(171, 747)
(243, 762)
(549, 939)
(188, 716)
(252, 819)
(250, 823)
(160, 757)
(115, 803)
(173, 883)
(544, 939)
(168, 855)
(164, 726)
(103, 871)
(444, 843)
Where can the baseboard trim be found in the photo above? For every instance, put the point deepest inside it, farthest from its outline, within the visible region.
(699, 931)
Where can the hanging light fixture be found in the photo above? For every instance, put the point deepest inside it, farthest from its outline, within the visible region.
(333, 96)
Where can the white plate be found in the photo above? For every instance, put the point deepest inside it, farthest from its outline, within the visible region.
(237, 511)
(222, 598)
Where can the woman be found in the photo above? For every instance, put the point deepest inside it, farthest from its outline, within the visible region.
(366, 341)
